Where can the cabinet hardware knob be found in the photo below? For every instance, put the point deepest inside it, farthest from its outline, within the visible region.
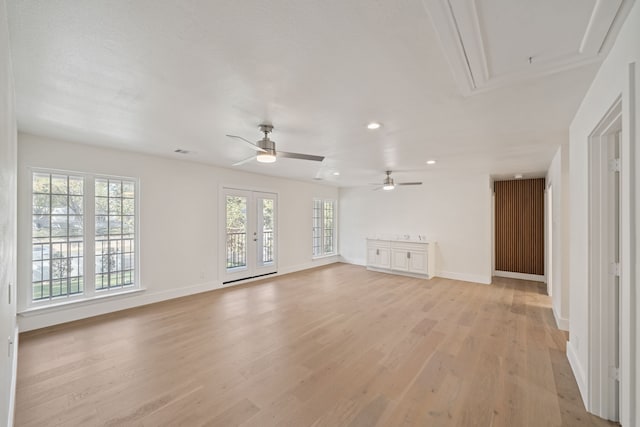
(377, 251)
(408, 254)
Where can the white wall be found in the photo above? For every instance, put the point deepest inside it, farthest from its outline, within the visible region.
(178, 220)
(611, 82)
(558, 179)
(7, 225)
(455, 211)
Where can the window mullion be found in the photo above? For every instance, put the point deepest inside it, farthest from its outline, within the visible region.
(89, 244)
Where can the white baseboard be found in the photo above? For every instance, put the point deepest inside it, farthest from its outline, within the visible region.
(14, 376)
(42, 319)
(578, 372)
(522, 276)
(561, 322)
(465, 277)
(37, 320)
(318, 262)
(354, 261)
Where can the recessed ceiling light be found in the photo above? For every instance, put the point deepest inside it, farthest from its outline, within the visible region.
(518, 176)
(373, 125)
(431, 162)
(336, 173)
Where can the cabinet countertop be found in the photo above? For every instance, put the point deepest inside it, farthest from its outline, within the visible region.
(400, 240)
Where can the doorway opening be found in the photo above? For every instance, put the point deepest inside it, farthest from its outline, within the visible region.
(604, 264)
(249, 234)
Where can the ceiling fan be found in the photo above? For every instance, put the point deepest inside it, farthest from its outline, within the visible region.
(388, 184)
(266, 149)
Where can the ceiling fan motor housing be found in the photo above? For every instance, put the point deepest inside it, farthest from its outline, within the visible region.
(268, 145)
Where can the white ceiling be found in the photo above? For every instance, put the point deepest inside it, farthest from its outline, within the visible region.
(153, 76)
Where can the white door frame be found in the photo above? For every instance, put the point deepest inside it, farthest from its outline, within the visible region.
(603, 399)
(549, 224)
(253, 269)
(622, 116)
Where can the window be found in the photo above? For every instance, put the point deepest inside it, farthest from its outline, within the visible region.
(57, 236)
(115, 233)
(76, 219)
(324, 227)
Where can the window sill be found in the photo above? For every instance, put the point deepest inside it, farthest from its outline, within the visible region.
(32, 311)
(324, 256)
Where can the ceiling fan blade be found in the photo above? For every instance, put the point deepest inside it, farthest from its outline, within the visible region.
(409, 183)
(242, 162)
(300, 156)
(253, 146)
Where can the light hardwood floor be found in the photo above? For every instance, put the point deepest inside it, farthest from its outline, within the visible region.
(327, 347)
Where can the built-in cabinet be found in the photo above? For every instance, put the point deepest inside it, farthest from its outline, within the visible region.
(414, 258)
(378, 254)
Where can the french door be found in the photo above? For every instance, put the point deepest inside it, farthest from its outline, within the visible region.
(249, 247)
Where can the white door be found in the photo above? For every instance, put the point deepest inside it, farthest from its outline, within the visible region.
(418, 262)
(249, 235)
(384, 257)
(400, 259)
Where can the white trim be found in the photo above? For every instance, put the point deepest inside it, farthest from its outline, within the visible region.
(628, 247)
(14, 375)
(459, 30)
(31, 321)
(521, 276)
(318, 262)
(398, 272)
(325, 256)
(604, 402)
(334, 202)
(578, 372)
(43, 318)
(63, 306)
(252, 268)
(465, 277)
(355, 261)
(26, 302)
(561, 322)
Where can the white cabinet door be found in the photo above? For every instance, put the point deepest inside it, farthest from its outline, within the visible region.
(372, 256)
(399, 259)
(418, 262)
(384, 258)
(378, 254)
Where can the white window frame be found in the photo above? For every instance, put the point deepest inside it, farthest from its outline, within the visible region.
(88, 239)
(322, 228)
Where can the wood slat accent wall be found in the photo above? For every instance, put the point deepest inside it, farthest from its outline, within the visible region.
(519, 228)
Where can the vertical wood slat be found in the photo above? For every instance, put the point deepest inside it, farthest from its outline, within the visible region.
(519, 226)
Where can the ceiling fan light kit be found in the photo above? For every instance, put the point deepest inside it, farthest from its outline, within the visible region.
(388, 184)
(266, 149)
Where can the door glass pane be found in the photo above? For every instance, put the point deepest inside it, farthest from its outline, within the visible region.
(267, 238)
(236, 230)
